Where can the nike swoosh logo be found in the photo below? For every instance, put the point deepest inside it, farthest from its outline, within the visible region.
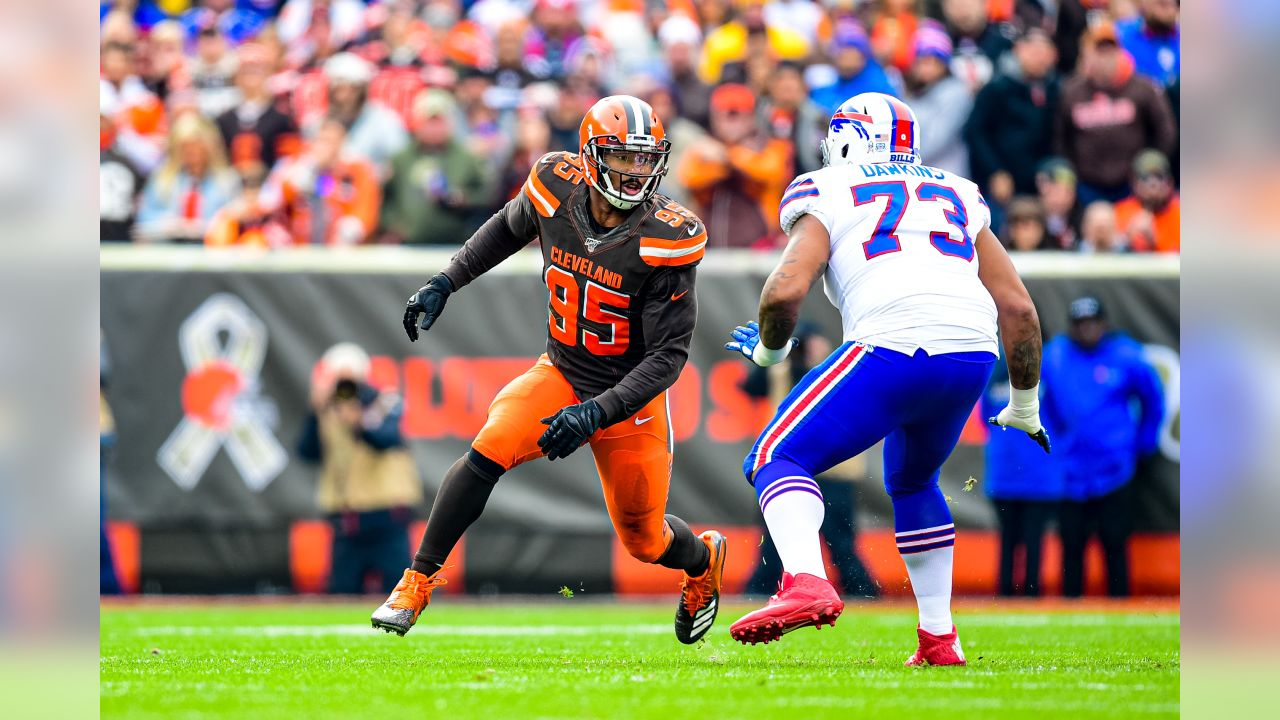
(678, 295)
(693, 230)
(640, 421)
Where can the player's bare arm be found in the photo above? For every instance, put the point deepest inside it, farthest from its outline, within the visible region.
(803, 261)
(1020, 333)
(1019, 323)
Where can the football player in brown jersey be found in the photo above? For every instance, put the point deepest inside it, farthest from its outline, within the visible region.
(618, 261)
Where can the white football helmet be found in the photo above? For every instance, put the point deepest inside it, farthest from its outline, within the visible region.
(872, 128)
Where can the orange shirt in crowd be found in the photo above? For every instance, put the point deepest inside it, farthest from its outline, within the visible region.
(894, 37)
(245, 223)
(1165, 234)
(768, 171)
(764, 173)
(351, 196)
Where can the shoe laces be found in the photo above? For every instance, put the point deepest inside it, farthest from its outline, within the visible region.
(787, 582)
(696, 591)
(417, 588)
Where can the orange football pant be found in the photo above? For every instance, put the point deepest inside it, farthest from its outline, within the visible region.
(632, 456)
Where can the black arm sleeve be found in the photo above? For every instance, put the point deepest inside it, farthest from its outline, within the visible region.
(510, 229)
(668, 328)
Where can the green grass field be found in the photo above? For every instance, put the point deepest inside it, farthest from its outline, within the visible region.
(575, 659)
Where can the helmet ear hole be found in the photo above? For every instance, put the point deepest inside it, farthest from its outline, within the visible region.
(844, 151)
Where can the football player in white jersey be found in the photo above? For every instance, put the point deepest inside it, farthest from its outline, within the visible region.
(922, 285)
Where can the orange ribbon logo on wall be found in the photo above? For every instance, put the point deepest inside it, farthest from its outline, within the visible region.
(223, 345)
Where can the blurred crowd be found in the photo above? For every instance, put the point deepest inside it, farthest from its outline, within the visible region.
(294, 122)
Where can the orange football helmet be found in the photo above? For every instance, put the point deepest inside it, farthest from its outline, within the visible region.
(622, 134)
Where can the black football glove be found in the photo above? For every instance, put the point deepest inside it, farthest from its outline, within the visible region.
(429, 303)
(570, 428)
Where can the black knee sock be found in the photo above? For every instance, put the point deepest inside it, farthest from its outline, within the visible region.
(687, 551)
(461, 499)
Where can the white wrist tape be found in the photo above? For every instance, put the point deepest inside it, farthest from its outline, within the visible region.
(1024, 401)
(764, 357)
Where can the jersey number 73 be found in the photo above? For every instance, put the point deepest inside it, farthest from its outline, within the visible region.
(885, 239)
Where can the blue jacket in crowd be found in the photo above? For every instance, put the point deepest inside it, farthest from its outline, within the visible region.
(872, 78)
(1014, 466)
(1155, 56)
(1104, 406)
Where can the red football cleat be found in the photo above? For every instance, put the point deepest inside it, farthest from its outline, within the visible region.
(802, 600)
(937, 649)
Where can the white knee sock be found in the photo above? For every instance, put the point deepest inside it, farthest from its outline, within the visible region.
(930, 573)
(793, 511)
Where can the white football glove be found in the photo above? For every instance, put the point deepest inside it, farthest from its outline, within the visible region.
(1023, 413)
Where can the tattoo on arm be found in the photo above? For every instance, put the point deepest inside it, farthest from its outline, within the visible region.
(778, 313)
(785, 269)
(785, 291)
(803, 262)
(1024, 358)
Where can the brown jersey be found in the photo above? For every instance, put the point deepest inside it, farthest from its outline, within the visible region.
(621, 305)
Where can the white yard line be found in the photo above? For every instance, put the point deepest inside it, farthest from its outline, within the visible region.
(420, 630)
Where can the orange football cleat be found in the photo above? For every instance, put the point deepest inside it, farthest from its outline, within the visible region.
(700, 596)
(407, 601)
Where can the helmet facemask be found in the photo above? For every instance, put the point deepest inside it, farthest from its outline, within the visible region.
(839, 150)
(640, 162)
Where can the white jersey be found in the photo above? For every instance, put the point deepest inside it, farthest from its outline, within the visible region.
(903, 270)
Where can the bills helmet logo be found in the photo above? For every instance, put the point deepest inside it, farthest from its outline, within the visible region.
(842, 121)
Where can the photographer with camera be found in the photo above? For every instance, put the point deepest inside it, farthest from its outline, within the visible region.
(369, 485)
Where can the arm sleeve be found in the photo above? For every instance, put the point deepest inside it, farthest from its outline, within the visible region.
(1151, 400)
(668, 328)
(510, 229)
